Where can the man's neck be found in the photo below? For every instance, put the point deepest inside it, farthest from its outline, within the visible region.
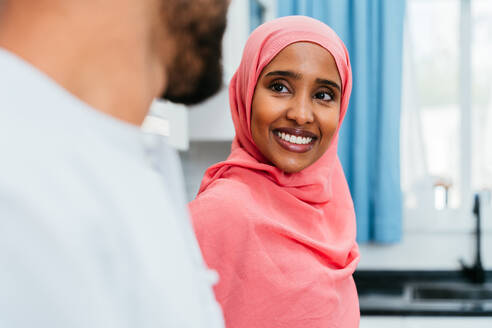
(107, 62)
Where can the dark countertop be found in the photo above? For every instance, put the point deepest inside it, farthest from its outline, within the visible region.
(393, 293)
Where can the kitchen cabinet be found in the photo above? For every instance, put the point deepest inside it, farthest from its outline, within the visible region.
(381, 322)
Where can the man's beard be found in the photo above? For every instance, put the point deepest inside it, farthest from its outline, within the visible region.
(196, 72)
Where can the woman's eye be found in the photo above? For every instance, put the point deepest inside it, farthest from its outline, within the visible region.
(323, 96)
(278, 87)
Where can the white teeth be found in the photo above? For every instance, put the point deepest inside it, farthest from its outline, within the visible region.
(294, 139)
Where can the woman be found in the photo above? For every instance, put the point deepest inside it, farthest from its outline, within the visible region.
(276, 219)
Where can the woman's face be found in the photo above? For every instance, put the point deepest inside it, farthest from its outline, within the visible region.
(296, 106)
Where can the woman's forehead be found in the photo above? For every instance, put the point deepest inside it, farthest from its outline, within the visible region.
(302, 58)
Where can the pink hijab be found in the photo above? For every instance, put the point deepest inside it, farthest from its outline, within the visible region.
(283, 244)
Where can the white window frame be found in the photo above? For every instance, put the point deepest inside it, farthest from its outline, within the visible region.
(456, 219)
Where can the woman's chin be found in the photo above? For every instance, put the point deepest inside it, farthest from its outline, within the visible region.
(290, 168)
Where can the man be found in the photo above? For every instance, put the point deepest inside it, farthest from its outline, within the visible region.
(93, 231)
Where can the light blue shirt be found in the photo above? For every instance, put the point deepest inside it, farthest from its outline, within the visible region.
(93, 227)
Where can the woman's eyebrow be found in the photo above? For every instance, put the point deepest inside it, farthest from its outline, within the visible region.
(329, 82)
(291, 74)
(298, 76)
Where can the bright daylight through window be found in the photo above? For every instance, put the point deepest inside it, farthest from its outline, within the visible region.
(447, 103)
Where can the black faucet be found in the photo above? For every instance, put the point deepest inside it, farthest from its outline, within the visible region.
(475, 272)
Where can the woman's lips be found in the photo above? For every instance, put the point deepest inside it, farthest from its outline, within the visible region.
(295, 140)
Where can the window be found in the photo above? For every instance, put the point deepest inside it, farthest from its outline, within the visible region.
(447, 104)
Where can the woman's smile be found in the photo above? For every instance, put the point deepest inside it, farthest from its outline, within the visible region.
(295, 140)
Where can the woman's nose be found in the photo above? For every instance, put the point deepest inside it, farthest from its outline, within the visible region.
(301, 110)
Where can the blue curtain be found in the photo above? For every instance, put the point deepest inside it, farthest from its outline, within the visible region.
(370, 137)
(256, 14)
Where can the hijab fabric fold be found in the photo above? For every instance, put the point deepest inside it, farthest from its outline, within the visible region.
(283, 244)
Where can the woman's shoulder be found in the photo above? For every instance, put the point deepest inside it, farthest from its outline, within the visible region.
(222, 196)
(220, 217)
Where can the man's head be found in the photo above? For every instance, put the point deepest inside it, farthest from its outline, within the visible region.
(119, 55)
(196, 28)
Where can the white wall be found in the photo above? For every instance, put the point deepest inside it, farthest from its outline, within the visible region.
(211, 121)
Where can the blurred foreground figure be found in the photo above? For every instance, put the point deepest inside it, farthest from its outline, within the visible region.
(93, 230)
